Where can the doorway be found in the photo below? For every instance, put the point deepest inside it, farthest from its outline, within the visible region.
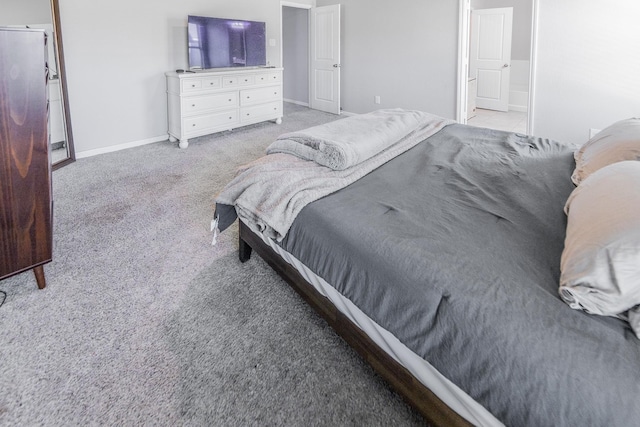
(295, 53)
(518, 116)
(311, 41)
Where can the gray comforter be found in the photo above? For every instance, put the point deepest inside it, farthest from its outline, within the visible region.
(455, 247)
(268, 194)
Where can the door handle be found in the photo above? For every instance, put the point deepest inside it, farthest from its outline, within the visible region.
(505, 65)
(336, 65)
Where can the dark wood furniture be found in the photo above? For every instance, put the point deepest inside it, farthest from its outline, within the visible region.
(415, 393)
(25, 164)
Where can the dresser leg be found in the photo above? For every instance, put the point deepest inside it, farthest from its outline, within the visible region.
(184, 143)
(39, 273)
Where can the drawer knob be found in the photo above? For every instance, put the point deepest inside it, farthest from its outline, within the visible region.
(194, 125)
(229, 99)
(193, 85)
(193, 105)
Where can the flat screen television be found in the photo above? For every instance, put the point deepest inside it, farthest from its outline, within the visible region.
(225, 43)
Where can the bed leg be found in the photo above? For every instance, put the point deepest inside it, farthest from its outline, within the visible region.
(244, 251)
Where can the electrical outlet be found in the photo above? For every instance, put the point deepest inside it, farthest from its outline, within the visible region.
(376, 99)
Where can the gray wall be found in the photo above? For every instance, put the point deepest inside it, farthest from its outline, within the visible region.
(404, 51)
(295, 54)
(117, 52)
(521, 35)
(587, 68)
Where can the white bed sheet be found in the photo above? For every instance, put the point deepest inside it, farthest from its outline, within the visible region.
(424, 372)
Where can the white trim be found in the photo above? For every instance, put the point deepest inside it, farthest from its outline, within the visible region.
(294, 4)
(304, 104)
(464, 7)
(518, 108)
(112, 148)
(532, 65)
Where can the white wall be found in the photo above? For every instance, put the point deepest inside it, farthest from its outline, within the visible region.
(404, 51)
(588, 67)
(117, 52)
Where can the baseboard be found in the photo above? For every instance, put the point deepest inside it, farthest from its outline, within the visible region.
(305, 104)
(291, 101)
(112, 148)
(520, 108)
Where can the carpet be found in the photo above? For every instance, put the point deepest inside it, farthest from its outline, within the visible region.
(143, 322)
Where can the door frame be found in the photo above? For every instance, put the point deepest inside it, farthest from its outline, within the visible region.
(464, 22)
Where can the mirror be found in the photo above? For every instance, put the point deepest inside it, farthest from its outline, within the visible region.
(62, 152)
(44, 14)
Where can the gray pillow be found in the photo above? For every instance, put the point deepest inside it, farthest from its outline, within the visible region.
(618, 142)
(600, 265)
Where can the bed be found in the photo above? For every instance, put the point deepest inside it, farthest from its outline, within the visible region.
(440, 264)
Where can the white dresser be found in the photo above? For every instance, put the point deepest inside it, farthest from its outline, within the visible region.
(205, 102)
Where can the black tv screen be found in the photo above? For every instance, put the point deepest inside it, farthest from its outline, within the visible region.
(224, 43)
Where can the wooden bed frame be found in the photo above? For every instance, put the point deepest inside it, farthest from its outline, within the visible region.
(415, 393)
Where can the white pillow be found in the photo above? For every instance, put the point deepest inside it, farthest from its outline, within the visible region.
(600, 265)
(618, 142)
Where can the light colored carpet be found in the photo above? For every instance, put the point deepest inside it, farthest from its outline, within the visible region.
(143, 322)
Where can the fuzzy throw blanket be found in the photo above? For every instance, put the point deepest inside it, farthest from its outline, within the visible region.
(268, 194)
(345, 143)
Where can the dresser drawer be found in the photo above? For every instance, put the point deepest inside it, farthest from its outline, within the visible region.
(246, 80)
(262, 111)
(195, 104)
(214, 120)
(230, 81)
(255, 96)
(191, 84)
(211, 83)
(269, 78)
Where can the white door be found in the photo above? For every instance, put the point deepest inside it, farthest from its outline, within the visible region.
(324, 71)
(490, 56)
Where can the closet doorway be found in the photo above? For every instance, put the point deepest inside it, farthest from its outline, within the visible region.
(295, 53)
(311, 55)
